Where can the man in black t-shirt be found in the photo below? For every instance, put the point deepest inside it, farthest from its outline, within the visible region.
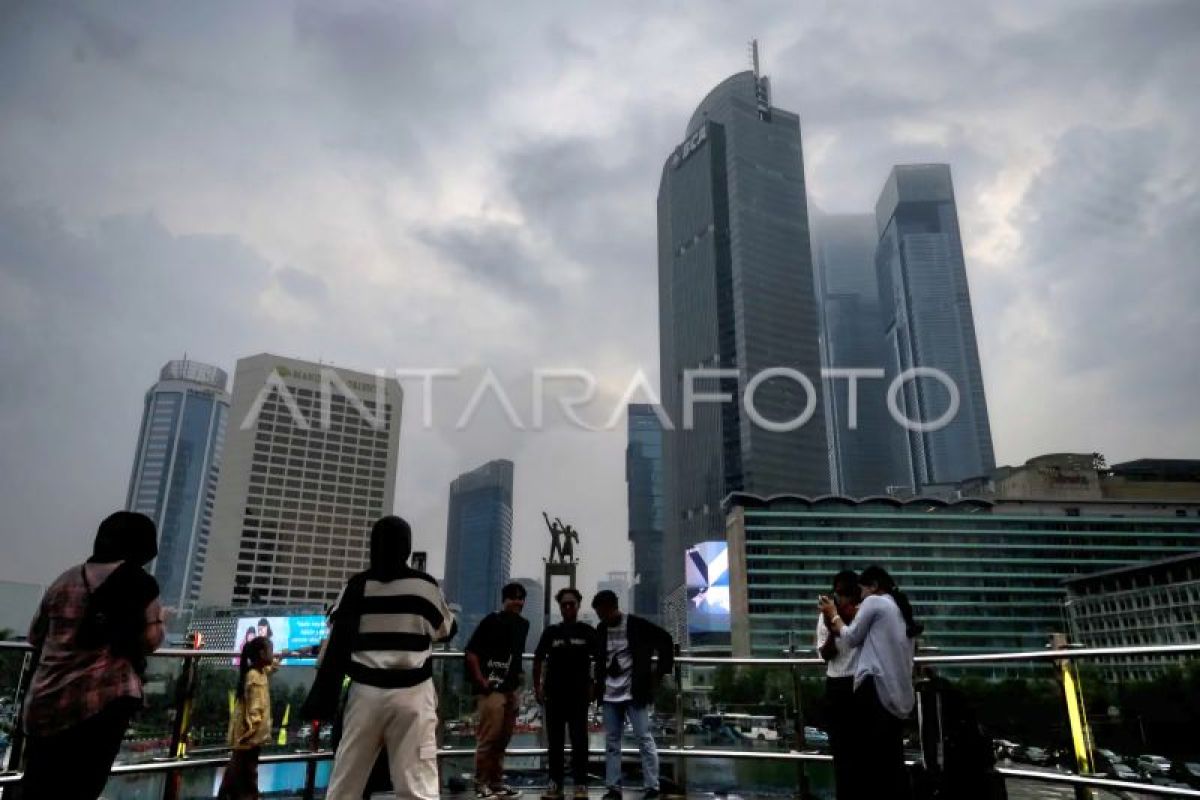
(564, 657)
(493, 658)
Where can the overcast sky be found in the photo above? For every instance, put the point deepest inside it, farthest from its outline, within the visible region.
(472, 185)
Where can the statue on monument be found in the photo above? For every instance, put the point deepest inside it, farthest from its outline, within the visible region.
(563, 539)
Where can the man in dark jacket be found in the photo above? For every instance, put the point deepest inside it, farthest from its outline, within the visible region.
(384, 626)
(626, 677)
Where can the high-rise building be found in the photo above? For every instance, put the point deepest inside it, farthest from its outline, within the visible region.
(928, 323)
(735, 294)
(643, 485)
(860, 448)
(175, 468)
(310, 464)
(535, 597)
(618, 583)
(479, 540)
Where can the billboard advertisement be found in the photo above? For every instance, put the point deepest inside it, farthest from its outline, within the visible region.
(285, 633)
(707, 570)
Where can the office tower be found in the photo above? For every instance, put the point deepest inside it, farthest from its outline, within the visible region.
(175, 468)
(535, 597)
(618, 584)
(860, 449)
(735, 293)
(479, 540)
(926, 308)
(310, 465)
(643, 486)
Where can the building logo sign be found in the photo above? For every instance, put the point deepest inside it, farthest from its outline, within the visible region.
(689, 146)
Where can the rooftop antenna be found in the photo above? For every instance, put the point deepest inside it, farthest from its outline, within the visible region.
(754, 56)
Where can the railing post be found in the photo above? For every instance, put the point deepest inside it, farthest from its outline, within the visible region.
(310, 769)
(681, 762)
(1076, 714)
(185, 693)
(802, 788)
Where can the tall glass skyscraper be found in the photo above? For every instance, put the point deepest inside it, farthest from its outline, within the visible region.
(643, 485)
(479, 540)
(927, 320)
(175, 468)
(861, 457)
(735, 293)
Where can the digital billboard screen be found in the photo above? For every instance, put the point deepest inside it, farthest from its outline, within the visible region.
(707, 571)
(285, 633)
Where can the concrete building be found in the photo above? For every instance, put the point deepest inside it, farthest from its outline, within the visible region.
(981, 577)
(535, 593)
(735, 294)
(616, 582)
(175, 470)
(928, 324)
(479, 541)
(644, 492)
(860, 447)
(310, 464)
(1151, 603)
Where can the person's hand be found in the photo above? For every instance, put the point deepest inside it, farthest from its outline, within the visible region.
(828, 607)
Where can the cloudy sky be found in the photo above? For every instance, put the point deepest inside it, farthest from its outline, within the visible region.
(472, 185)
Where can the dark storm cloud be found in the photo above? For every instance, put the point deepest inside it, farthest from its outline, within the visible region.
(431, 184)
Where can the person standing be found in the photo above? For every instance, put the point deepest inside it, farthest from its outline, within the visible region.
(494, 668)
(383, 629)
(841, 660)
(885, 631)
(92, 632)
(626, 678)
(250, 724)
(562, 682)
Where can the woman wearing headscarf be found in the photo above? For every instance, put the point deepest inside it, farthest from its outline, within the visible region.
(92, 632)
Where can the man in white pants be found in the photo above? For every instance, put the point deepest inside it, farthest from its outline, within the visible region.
(384, 626)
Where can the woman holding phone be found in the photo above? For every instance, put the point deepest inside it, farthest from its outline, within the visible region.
(884, 631)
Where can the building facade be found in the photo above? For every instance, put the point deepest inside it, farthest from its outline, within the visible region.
(860, 445)
(928, 323)
(175, 469)
(1154, 603)
(980, 580)
(535, 595)
(736, 295)
(644, 492)
(310, 465)
(479, 540)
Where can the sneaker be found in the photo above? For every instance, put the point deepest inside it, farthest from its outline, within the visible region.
(484, 793)
(581, 793)
(651, 794)
(554, 792)
(613, 794)
(504, 790)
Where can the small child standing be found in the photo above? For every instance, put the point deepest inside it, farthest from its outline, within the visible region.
(250, 726)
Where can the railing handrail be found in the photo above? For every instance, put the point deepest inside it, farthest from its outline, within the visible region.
(1069, 653)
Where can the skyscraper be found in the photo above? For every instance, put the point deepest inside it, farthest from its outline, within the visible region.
(175, 468)
(479, 540)
(643, 486)
(618, 583)
(535, 597)
(736, 294)
(928, 323)
(861, 457)
(310, 464)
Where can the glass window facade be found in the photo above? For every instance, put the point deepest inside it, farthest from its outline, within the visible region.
(643, 482)
(479, 540)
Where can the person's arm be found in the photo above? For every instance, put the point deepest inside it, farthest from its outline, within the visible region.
(449, 627)
(855, 633)
(474, 647)
(539, 658)
(257, 701)
(826, 644)
(156, 629)
(664, 647)
(600, 656)
(38, 625)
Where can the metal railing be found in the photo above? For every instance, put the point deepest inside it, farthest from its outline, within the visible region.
(175, 765)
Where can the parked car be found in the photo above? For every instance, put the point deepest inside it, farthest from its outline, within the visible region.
(1187, 772)
(1153, 765)
(1032, 755)
(1121, 771)
(815, 737)
(1003, 748)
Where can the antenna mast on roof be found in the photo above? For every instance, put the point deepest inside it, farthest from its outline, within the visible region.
(754, 56)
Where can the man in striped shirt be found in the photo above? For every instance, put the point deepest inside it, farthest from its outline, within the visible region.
(384, 627)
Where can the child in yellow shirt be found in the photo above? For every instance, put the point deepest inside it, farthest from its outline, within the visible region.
(250, 726)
